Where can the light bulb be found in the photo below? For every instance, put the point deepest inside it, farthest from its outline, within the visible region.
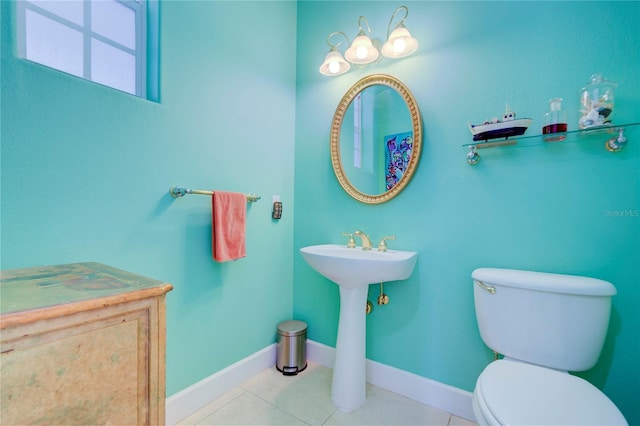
(334, 64)
(362, 51)
(399, 45)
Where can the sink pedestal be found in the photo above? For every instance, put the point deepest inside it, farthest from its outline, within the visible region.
(353, 270)
(348, 391)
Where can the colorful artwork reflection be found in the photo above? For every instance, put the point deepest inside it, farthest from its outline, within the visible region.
(397, 154)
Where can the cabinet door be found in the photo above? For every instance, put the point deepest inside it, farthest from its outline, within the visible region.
(93, 367)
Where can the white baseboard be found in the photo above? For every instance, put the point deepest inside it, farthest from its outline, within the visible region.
(191, 399)
(435, 394)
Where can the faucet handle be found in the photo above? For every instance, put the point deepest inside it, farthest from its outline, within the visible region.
(351, 243)
(382, 246)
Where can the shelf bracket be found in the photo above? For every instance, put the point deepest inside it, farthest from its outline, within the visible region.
(472, 156)
(616, 143)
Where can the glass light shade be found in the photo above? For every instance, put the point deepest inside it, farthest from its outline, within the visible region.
(400, 43)
(361, 51)
(334, 64)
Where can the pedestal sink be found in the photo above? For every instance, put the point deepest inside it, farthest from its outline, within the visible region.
(353, 269)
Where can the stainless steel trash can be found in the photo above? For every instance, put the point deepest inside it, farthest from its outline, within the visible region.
(291, 356)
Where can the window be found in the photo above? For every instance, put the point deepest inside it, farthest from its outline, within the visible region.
(357, 132)
(364, 131)
(104, 41)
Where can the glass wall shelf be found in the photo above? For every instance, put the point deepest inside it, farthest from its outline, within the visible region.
(613, 136)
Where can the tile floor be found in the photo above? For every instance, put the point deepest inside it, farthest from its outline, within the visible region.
(271, 398)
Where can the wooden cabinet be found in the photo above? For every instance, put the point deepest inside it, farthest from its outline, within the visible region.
(82, 343)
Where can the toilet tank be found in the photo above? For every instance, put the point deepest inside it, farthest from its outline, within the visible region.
(553, 320)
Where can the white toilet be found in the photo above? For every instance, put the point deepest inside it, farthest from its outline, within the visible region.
(545, 325)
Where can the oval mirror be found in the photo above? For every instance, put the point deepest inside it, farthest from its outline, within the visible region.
(376, 137)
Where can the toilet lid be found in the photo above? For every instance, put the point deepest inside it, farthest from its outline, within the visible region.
(524, 394)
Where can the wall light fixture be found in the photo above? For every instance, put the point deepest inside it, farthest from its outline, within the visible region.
(364, 50)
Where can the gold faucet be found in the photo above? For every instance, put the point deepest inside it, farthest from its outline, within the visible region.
(382, 246)
(366, 242)
(351, 243)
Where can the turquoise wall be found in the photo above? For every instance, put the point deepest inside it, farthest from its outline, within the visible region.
(86, 169)
(548, 208)
(86, 172)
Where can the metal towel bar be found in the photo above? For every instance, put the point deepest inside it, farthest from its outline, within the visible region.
(179, 191)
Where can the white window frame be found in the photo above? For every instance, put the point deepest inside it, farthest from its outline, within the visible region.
(357, 131)
(139, 52)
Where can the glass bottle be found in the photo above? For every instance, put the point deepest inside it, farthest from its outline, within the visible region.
(596, 102)
(555, 122)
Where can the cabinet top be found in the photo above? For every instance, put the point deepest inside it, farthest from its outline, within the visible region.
(36, 288)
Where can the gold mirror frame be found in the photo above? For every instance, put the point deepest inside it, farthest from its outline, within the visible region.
(412, 105)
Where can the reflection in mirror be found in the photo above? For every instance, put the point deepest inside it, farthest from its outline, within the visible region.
(376, 139)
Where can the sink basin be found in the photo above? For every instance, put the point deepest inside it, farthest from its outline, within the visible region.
(353, 269)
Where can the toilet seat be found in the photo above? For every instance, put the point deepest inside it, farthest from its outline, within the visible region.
(515, 393)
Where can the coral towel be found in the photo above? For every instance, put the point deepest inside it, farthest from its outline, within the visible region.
(229, 213)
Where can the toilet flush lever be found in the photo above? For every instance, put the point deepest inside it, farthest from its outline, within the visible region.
(490, 289)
